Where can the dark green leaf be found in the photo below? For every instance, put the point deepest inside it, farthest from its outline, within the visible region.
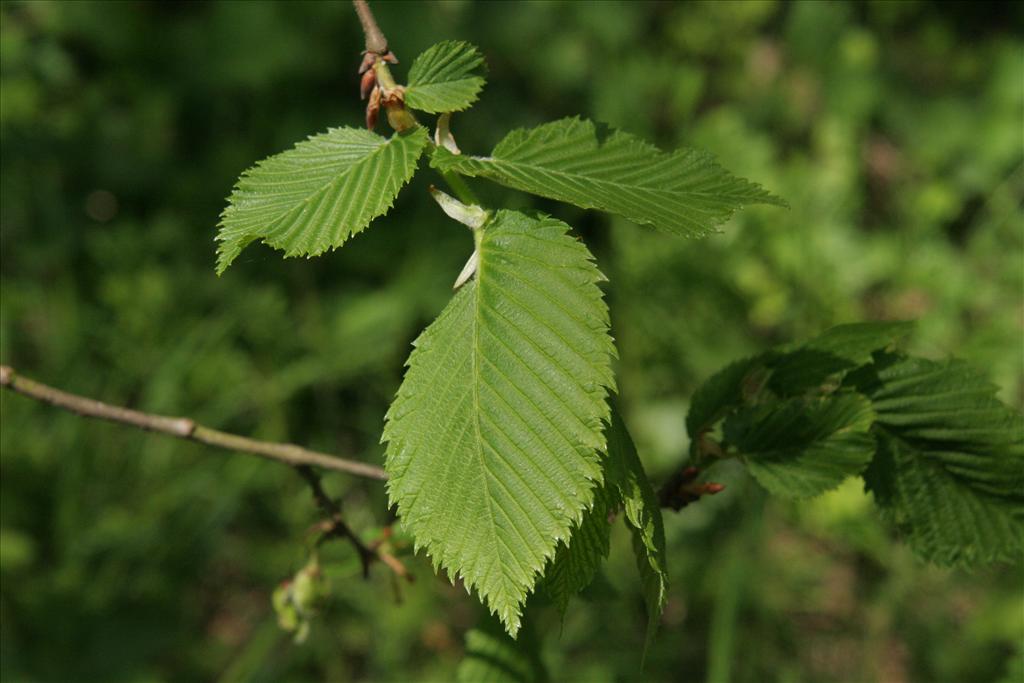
(625, 472)
(576, 563)
(949, 474)
(803, 447)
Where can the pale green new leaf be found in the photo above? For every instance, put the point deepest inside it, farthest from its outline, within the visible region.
(798, 447)
(684, 192)
(443, 78)
(949, 473)
(496, 435)
(625, 472)
(316, 195)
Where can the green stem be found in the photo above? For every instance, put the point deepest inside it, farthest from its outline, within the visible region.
(460, 188)
(384, 78)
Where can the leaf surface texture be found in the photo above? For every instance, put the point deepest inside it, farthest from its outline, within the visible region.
(684, 192)
(316, 195)
(799, 448)
(444, 78)
(496, 435)
(949, 473)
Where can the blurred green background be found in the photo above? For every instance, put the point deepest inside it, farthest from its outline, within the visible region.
(893, 128)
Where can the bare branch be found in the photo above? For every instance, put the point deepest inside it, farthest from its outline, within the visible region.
(336, 527)
(184, 428)
(335, 524)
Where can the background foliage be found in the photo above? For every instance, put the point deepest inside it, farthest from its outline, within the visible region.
(893, 130)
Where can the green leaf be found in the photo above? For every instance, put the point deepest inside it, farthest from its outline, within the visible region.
(718, 395)
(576, 562)
(803, 447)
(626, 473)
(625, 485)
(817, 365)
(495, 437)
(315, 196)
(820, 364)
(856, 342)
(684, 193)
(493, 657)
(442, 79)
(949, 473)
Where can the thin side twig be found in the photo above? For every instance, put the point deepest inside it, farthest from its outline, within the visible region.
(336, 527)
(184, 428)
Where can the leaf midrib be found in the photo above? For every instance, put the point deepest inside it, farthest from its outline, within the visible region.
(302, 204)
(420, 87)
(477, 427)
(498, 162)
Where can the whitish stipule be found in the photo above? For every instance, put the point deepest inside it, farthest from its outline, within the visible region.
(467, 270)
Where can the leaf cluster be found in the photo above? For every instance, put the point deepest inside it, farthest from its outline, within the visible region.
(943, 457)
(506, 461)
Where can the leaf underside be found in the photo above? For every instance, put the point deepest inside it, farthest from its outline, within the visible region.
(643, 517)
(626, 488)
(684, 192)
(949, 473)
(494, 439)
(443, 78)
(316, 195)
(576, 562)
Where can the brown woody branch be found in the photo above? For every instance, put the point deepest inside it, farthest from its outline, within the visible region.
(184, 428)
(303, 460)
(375, 40)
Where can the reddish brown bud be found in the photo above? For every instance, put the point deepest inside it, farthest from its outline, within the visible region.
(367, 82)
(390, 57)
(373, 108)
(712, 488)
(369, 58)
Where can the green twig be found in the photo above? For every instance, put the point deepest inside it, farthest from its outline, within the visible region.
(461, 189)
